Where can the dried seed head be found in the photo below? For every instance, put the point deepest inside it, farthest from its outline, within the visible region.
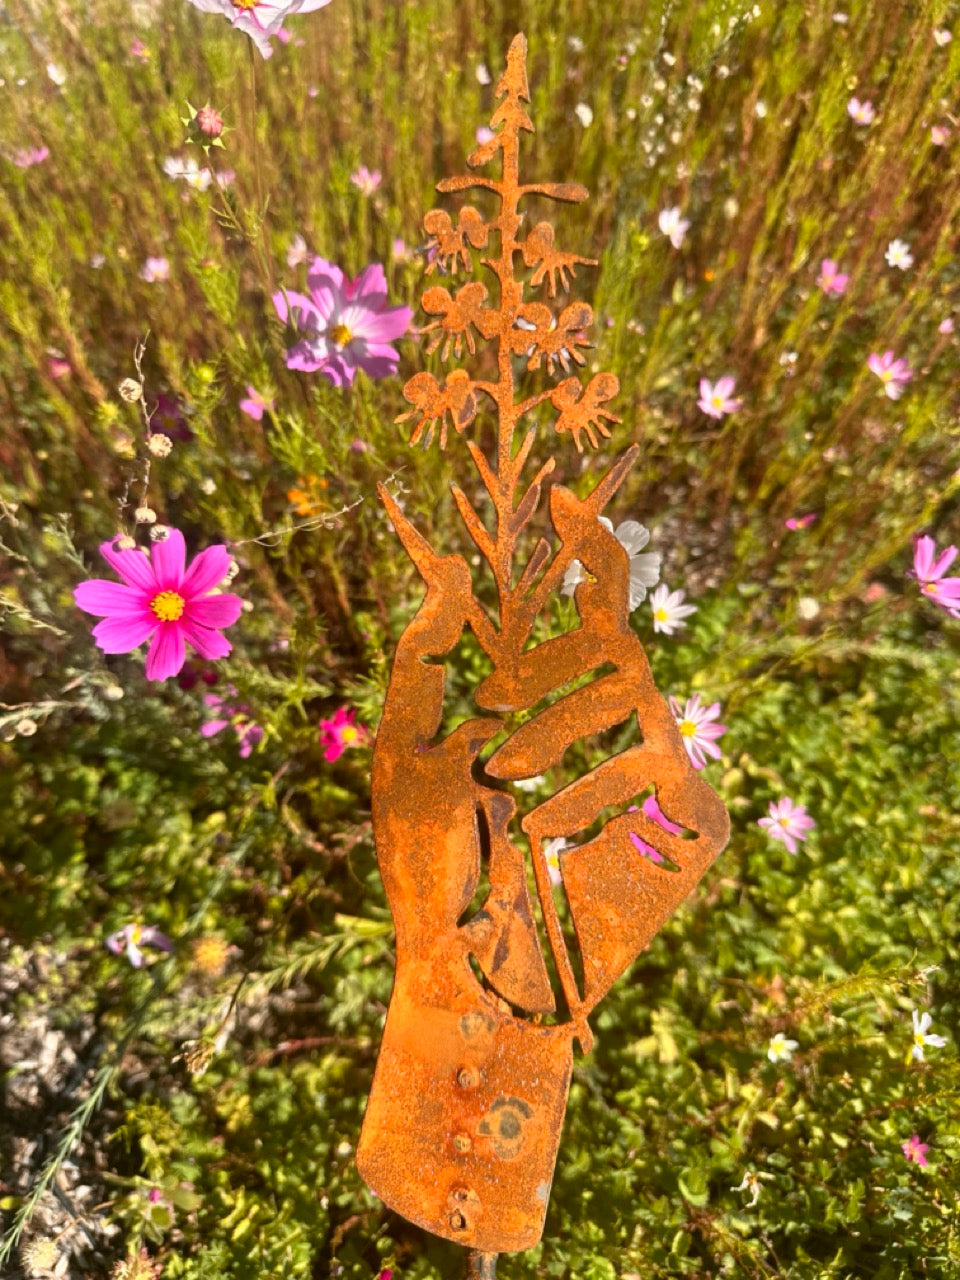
(159, 444)
(145, 515)
(40, 1256)
(26, 727)
(232, 570)
(130, 390)
(160, 533)
(125, 543)
(112, 692)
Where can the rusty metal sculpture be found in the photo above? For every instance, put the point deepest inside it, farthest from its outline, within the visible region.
(464, 1117)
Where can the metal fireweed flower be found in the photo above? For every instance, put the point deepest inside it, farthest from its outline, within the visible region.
(464, 1117)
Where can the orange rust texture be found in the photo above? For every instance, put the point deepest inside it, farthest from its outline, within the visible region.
(464, 1117)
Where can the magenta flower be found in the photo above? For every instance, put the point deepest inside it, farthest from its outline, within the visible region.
(928, 569)
(861, 112)
(915, 1150)
(130, 938)
(161, 601)
(800, 522)
(256, 405)
(893, 373)
(167, 418)
(27, 157)
(788, 822)
(653, 811)
(347, 324)
(697, 729)
(366, 180)
(340, 732)
(58, 366)
(260, 19)
(830, 279)
(716, 398)
(229, 715)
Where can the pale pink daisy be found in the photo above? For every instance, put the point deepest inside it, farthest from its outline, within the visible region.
(929, 568)
(134, 936)
(155, 269)
(800, 522)
(339, 732)
(260, 19)
(163, 601)
(946, 325)
(939, 135)
(922, 1036)
(673, 226)
(698, 729)
(893, 373)
(788, 822)
(484, 135)
(231, 715)
(861, 112)
(716, 398)
(366, 180)
(915, 1150)
(942, 36)
(255, 404)
(831, 279)
(139, 50)
(668, 609)
(297, 252)
(27, 157)
(347, 324)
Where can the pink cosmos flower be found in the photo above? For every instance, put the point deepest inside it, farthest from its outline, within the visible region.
(260, 19)
(801, 522)
(830, 279)
(58, 366)
(27, 157)
(945, 325)
(161, 601)
(484, 135)
(893, 373)
(928, 569)
(155, 269)
(167, 418)
(716, 398)
(256, 404)
(139, 50)
(788, 822)
(366, 180)
(939, 135)
(915, 1150)
(340, 732)
(861, 112)
(668, 609)
(697, 729)
(653, 811)
(347, 324)
(130, 938)
(230, 715)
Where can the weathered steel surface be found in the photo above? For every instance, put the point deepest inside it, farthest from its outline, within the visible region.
(465, 1113)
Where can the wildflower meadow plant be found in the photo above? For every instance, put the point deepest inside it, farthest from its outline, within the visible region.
(346, 324)
(929, 570)
(894, 373)
(780, 1049)
(162, 601)
(788, 822)
(669, 610)
(259, 19)
(915, 1150)
(132, 938)
(923, 1036)
(340, 732)
(229, 714)
(861, 112)
(831, 279)
(673, 226)
(699, 729)
(716, 398)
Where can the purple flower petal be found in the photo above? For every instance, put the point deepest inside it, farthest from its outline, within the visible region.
(103, 598)
(132, 565)
(213, 726)
(207, 642)
(169, 558)
(166, 654)
(123, 634)
(207, 570)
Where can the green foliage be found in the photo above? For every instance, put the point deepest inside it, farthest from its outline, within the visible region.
(234, 1073)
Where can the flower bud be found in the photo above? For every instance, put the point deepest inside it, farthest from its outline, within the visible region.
(144, 515)
(159, 533)
(209, 122)
(130, 390)
(159, 444)
(26, 727)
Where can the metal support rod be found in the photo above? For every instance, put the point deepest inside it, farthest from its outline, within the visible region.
(481, 1266)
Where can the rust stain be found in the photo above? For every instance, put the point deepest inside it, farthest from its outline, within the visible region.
(465, 1112)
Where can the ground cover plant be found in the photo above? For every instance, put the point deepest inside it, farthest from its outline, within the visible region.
(210, 261)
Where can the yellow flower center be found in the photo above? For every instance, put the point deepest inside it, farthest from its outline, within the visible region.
(930, 587)
(918, 1038)
(784, 822)
(340, 334)
(886, 375)
(136, 933)
(717, 401)
(348, 734)
(245, 4)
(168, 606)
(688, 728)
(660, 615)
